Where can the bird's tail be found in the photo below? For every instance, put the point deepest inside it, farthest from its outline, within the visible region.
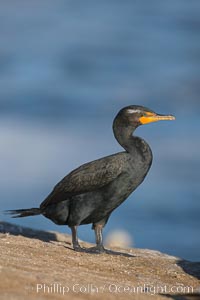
(19, 213)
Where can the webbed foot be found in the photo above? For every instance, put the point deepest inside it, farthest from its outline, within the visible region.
(97, 249)
(78, 248)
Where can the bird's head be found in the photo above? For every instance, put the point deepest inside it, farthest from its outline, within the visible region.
(135, 116)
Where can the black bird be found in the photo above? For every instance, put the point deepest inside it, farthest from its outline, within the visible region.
(90, 193)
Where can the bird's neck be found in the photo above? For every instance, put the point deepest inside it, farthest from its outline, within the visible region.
(125, 139)
(132, 144)
(124, 136)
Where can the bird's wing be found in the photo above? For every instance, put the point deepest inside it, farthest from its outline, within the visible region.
(87, 178)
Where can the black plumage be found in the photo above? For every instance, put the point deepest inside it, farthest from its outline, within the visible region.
(90, 193)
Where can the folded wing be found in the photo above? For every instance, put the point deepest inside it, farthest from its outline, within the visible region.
(87, 178)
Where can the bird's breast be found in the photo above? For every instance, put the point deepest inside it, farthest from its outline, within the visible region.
(132, 175)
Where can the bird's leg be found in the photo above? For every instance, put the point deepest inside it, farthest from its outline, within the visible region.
(99, 248)
(75, 242)
(99, 237)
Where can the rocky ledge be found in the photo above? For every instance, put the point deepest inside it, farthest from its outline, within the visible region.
(42, 265)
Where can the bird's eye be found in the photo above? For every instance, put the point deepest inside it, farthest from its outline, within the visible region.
(145, 115)
(148, 114)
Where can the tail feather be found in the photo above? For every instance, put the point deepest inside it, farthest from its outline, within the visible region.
(20, 213)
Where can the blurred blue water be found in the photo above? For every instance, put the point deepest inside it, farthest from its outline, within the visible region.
(66, 68)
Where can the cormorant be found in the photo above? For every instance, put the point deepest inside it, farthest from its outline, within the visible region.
(90, 193)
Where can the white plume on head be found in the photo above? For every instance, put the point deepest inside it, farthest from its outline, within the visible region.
(133, 111)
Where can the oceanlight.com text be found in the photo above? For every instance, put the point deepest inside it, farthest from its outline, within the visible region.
(57, 288)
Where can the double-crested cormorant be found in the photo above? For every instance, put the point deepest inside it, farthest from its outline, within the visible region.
(90, 193)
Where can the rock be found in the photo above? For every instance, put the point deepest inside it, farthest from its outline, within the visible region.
(42, 265)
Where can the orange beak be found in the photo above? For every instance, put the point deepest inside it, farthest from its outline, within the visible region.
(152, 117)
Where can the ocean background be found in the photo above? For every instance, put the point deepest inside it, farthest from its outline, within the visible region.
(66, 68)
